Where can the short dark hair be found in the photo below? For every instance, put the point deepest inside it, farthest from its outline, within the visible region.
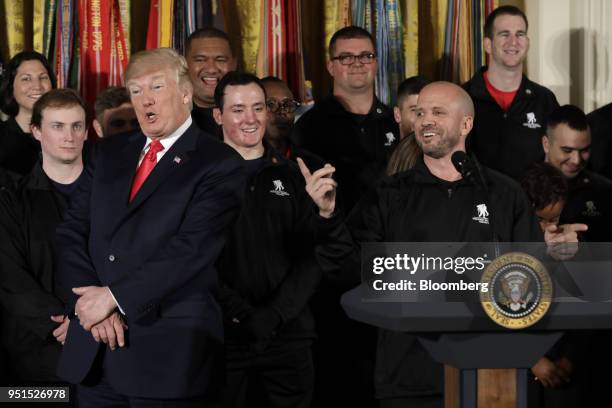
(570, 115)
(8, 104)
(272, 79)
(411, 86)
(501, 11)
(56, 98)
(235, 78)
(208, 32)
(348, 33)
(110, 98)
(544, 185)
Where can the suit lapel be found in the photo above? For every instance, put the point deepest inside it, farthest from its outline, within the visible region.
(126, 168)
(122, 173)
(176, 156)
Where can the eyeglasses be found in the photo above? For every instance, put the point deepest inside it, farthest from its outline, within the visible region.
(286, 105)
(348, 59)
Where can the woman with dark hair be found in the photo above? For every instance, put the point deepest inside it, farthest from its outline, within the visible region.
(26, 78)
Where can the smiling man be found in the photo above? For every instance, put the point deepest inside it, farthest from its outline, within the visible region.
(567, 145)
(432, 202)
(138, 247)
(511, 110)
(209, 56)
(268, 270)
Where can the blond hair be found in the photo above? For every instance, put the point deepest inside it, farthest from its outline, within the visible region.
(152, 60)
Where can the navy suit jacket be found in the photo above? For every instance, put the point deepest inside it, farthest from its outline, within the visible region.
(157, 255)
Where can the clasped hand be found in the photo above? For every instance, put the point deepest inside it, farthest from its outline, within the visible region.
(97, 312)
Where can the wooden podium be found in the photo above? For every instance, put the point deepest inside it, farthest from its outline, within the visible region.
(485, 364)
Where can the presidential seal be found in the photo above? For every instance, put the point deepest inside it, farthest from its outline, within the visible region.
(520, 290)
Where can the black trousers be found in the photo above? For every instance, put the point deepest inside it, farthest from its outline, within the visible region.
(96, 392)
(279, 376)
(102, 395)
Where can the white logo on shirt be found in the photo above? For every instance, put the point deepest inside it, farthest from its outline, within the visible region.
(390, 139)
(483, 214)
(531, 121)
(591, 210)
(279, 189)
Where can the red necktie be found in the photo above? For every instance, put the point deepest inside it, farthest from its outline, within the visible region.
(146, 166)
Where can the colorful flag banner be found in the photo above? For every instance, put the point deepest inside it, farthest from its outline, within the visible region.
(463, 40)
(410, 37)
(103, 48)
(14, 26)
(64, 36)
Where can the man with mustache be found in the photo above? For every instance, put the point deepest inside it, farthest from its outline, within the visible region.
(432, 202)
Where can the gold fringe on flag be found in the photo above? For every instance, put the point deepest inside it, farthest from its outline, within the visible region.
(465, 60)
(438, 16)
(337, 15)
(251, 17)
(14, 26)
(38, 26)
(166, 17)
(410, 40)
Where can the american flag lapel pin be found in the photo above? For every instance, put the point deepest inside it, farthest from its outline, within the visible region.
(177, 160)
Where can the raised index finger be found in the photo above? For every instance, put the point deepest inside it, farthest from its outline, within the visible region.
(304, 169)
(578, 227)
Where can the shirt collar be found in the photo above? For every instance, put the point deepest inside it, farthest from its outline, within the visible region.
(169, 140)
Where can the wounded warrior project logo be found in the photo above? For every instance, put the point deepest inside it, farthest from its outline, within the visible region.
(590, 210)
(279, 189)
(483, 214)
(520, 290)
(531, 121)
(390, 139)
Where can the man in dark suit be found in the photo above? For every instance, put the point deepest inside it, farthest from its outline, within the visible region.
(137, 249)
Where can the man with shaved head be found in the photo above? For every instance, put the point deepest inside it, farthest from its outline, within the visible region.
(433, 202)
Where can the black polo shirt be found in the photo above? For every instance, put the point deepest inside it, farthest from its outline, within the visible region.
(590, 202)
(509, 141)
(358, 146)
(600, 122)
